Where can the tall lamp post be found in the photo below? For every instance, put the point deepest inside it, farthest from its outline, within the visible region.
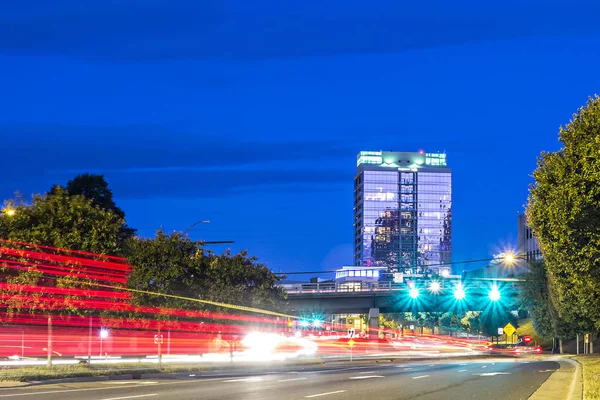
(204, 221)
(103, 335)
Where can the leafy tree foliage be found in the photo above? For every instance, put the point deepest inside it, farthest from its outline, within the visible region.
(172, 264)
(535, 294)
(95, 188)
(60, 220)
(564, 213)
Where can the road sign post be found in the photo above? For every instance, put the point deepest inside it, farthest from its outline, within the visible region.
(158, 340)
(510, 331)
(351, 344)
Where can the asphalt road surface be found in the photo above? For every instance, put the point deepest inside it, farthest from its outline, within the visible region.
(484, 379)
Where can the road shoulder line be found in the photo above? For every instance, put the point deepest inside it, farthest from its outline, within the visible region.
(565, 383)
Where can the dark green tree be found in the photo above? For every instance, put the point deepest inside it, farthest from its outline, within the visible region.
(564, 213)
(535, 296)
(95, 188)
(60, 220)
(174, 265)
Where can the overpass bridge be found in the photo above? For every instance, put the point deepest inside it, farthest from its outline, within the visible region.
(389, 297)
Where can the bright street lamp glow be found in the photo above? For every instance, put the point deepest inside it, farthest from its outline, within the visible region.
(316, 323)
(459, 293)
(304, 323)
(103, 333)
(434, 287)
(494, 294)
(414, 293)
(509, 258)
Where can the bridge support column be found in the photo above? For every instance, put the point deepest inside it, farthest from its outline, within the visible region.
(373, 323)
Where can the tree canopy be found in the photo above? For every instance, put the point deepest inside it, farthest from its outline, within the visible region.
(60, 220)
(173, 264)
(564, 213)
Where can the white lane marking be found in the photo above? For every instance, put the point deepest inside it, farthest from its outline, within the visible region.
(343, 369)
(524, 362)
(65, 391)
(485, 366)
(324, 394)
(493, 373)
(407, 369)
(132, 397)
(431, 365)
(109, 388)
(129, 383)
(547, 370)
(462, 370)
(367, 377)
(291, 380)
(251, 379)
(367, 372)
(419, 377)
(462, 364)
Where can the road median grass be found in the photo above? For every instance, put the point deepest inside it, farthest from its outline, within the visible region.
(136, 370)
(591, 375)
(31, 374)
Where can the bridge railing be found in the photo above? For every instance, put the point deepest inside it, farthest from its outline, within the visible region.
(356, 287)
(343, 288)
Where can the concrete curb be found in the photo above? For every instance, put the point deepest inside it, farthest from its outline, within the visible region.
(565, 383)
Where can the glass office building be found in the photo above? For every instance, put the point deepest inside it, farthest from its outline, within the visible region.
(403, 212)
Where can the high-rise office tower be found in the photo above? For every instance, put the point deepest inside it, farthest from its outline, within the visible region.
(403, 211)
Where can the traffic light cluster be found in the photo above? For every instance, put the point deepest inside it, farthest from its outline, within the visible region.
(458, 292)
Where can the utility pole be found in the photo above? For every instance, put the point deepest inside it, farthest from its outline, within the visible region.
(49, 363)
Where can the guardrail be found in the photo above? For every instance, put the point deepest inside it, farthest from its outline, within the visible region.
(362, 287)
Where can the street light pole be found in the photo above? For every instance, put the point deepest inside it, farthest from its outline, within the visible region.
(204, 221)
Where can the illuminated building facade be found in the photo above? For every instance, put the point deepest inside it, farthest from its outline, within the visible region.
(403, 212)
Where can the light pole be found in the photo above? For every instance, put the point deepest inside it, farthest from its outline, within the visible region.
(204, 221)
(103, 335)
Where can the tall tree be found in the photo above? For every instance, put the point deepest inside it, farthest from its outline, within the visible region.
(564, 213)
(60, 220)
(96, 189)
(172, 264)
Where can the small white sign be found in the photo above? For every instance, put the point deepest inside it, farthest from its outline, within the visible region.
(500, 331)
(412, 327)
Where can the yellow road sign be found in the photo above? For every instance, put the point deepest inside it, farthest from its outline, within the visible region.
(351, 343)
(509, 329)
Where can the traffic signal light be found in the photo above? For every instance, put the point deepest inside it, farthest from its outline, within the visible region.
(494, 294)
(459, 293)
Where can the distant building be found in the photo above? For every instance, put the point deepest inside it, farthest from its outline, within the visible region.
(403, 212)
(528, 246)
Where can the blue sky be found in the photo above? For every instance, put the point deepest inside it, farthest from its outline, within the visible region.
(250, 114)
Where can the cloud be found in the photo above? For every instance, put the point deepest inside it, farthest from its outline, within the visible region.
(156, 161)
(243, 30)
(56, 147)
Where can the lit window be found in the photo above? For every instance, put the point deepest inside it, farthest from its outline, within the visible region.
(375, 274)
(351, 273)
(369, 273)
(363, 273)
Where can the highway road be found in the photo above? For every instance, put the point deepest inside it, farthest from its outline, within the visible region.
(486, 379)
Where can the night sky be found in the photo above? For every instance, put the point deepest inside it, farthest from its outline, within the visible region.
(251, 113)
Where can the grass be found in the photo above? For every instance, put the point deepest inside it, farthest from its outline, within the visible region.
(526, 328)
(591, 376)
(28, 374)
